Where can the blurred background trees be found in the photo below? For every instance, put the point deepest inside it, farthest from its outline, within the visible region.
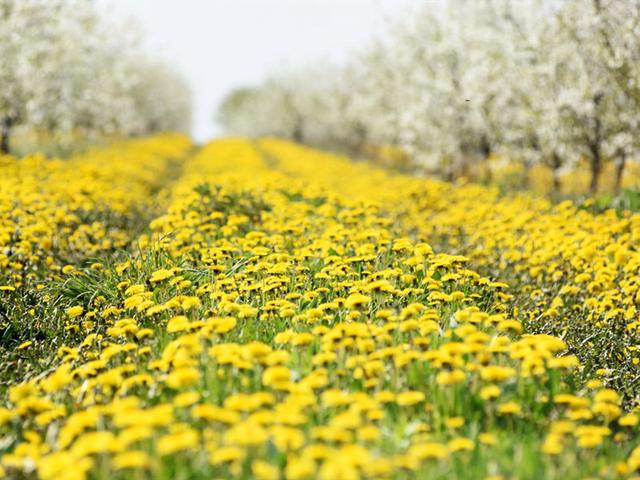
(537, 82)
(68, 72)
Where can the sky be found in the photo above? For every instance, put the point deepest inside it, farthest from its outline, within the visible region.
(222, 44)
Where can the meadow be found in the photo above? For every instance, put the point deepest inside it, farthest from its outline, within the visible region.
(259, 309)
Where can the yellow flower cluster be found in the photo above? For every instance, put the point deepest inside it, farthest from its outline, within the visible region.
(54, 212)
(572, 273)
(287, 318)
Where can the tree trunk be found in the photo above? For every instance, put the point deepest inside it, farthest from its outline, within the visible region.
(360, 139)
(556, 163)
(525, 179)
(556, 182)
(594, 148)
(298, 130)
(596, 169)
(298, 137)
(5, 135)
(463, 169)
(621, 163)
(448, 168)
(486, 151)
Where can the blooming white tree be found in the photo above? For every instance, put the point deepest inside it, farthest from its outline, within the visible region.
(64, 68)
(27, 36)
(603, 106)
(162, 98)
(554, 82)
(265, 110)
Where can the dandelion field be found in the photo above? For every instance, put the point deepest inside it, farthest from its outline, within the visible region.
(259, 309)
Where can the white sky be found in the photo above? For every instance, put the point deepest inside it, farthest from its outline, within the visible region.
(222, 44)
